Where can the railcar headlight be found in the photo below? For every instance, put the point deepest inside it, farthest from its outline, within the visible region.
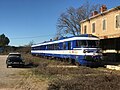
(99, 51)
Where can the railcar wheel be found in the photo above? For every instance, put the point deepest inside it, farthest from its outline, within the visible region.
(77, 63)
(73, 61)
(70, 61)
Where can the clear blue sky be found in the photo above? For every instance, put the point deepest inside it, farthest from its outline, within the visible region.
(35, 20)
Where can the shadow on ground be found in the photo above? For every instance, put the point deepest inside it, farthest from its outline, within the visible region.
(28, 65)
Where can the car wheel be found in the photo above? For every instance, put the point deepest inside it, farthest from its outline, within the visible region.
(7, 66)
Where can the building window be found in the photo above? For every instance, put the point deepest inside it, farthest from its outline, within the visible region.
(118, 21)
(104, 24)
(93, 28)
(85, 29)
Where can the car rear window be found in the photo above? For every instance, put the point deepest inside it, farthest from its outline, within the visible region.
(15, 59)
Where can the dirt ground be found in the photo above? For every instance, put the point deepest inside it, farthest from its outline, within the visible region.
(18, 78)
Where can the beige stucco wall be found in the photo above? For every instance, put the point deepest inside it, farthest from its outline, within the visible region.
(111, 30)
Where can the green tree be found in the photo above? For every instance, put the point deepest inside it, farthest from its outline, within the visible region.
(4, 40)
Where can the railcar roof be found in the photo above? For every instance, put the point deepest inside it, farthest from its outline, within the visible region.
(79, 37)
(82, 35)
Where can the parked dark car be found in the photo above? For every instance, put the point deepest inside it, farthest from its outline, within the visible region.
(15, 60)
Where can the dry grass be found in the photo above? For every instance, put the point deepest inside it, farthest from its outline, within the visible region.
(80, 78)
(91, 82)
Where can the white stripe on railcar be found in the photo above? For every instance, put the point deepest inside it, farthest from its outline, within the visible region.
(64, 52)
(67, 39)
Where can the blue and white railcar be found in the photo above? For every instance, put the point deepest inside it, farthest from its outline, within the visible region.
(83, 49)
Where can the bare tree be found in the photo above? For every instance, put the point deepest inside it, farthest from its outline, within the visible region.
(69, 21)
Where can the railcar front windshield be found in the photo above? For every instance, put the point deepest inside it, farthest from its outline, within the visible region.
(87, 43)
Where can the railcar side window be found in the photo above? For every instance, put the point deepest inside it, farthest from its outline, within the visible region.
(64, 46)
(81, 43)
(56, 47)
(69, 45)
(92, 43)
(33, 48)
(87, 43)
(60, 46)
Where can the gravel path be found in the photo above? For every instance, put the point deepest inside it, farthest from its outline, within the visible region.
(8, 76)
(18, 78)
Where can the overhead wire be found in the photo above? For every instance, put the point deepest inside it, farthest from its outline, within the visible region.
(29, 37)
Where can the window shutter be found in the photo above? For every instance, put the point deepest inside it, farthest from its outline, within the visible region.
(118, 21)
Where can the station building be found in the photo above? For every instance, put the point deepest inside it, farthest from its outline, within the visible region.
(105, 25)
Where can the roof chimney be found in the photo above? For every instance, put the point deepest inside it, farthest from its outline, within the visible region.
(94, 13)
(103, 8)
